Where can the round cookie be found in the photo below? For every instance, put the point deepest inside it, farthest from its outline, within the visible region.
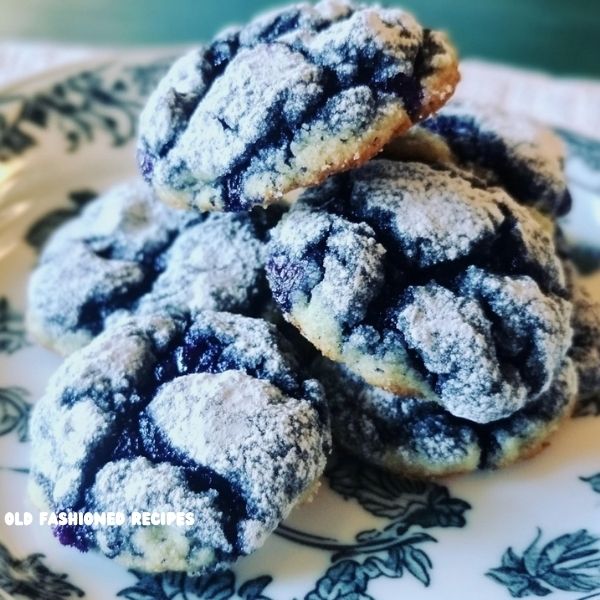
(425, 284)
(524, 157)
(128, 253)
(414, 437)
(290, 98)
(205, 415)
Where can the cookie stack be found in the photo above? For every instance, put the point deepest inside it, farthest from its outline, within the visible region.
(415, 309)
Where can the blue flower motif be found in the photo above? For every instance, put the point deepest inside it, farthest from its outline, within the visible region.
(568, 563)
(12, 331)
(413, 502)
(388, 552)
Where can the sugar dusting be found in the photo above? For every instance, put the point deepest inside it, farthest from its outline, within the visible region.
(296, 92)
(181, 414)
(128, 253)
(464, 306)
(411, 436)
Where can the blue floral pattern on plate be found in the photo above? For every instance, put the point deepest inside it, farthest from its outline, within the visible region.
(569, 563)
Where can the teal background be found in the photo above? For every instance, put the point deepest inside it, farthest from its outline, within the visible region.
(560, 36)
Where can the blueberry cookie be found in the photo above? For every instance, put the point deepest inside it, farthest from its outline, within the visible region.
(204, 414)
(586, 346)
(522, 156)
(128, 253)
(414, 437)
(426, 284)
(285, 101)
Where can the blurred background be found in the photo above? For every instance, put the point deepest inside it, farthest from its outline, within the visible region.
(557, 36)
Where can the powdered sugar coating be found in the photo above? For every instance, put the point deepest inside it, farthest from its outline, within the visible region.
(585, 351)
(414, 437)
(181, 414)
(374, 269)
(523, 156)
(128, 253)
(294, 95)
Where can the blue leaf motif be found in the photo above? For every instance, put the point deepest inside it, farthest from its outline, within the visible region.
(413, 502)
(510, 560)
(519, 584)
(252, 589)
(440, 510)
(532, 554)
(41, 230)
(375, 566)
(12, 330)
(215, 586)
(391, 551)
(80, 107)
(594, 482)
(30, 579)
(418, 563)
(346, 580)
(557, 564)
(180, 586)
(570, 562)
(147, 587)
(368, 535)
(391, 566)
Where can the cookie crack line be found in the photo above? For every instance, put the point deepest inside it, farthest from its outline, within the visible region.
(219, 58)
(528, 174)
(94, 311)
(498, 252)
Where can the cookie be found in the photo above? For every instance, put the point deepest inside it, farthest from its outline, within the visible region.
(585, 351)
(426, 284)
(413, 437)
(524, 157)
(128, 253)
(171, 414)
(290, 98)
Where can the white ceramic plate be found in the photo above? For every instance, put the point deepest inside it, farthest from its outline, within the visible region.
(533, 529)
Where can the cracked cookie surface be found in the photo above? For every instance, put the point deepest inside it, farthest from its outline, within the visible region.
(206, 414)
(290, 98)
(425, 284)
(419, 438)
(128, 253)
(512, 151)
